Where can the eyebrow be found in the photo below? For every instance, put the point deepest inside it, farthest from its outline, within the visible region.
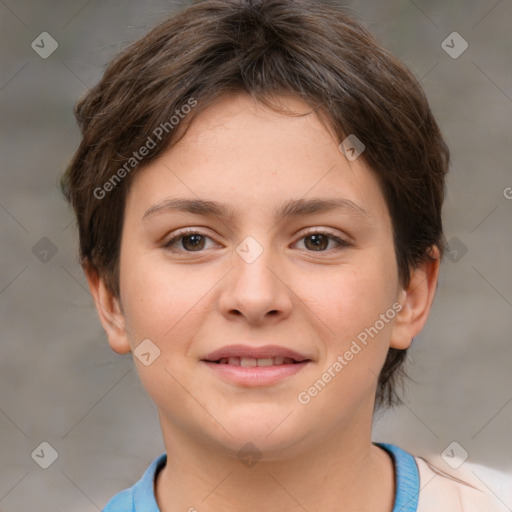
(290, 208)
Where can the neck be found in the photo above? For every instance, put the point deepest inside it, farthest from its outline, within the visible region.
(337, 475)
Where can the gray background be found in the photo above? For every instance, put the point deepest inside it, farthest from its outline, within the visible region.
(60, 382)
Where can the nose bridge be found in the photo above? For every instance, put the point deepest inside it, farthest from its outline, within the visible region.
(254, 288)
(253, 261)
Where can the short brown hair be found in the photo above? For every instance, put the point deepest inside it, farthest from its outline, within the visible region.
(264, 48)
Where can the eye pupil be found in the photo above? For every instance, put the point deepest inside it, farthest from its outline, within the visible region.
(317, 241)
(194, 245)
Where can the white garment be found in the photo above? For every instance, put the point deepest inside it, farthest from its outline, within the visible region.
(470, 488)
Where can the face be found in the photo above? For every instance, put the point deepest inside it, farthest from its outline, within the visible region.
(217, 293)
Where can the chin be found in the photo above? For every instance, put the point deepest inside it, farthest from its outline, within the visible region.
(268, 431)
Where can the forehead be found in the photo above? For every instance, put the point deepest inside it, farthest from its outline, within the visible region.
(240, 113)
(249, 157)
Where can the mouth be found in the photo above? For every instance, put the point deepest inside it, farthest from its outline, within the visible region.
(248, 362)
(245, 365)
(249, 355)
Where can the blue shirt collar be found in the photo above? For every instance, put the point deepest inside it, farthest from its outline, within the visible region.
(406, 474)
(407, 479)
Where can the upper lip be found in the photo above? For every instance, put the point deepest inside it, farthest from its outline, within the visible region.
(263, 352)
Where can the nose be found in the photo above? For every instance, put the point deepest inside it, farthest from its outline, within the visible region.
(256, 288)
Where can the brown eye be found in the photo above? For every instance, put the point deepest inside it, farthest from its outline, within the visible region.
(319, 241)
(189, 241)
(193, 242)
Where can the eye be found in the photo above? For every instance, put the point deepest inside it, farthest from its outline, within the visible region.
(191, 241)
(318, 241)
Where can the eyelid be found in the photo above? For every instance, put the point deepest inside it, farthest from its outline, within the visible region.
(321, 230)
(176, 235)
(316, 230)
(344, 240)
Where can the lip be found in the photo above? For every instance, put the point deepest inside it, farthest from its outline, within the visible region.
(255, 375)
(255, 353)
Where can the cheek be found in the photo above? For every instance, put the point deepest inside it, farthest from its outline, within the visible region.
(350, 305)
(159, 298)
(356, 339)
(352, 297)
(161, 303)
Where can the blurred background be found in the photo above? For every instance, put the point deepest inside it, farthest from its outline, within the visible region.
(61, 384)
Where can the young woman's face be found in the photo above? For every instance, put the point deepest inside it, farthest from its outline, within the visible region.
(218, 294)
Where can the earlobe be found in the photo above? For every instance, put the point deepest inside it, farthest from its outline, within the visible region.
(416, 301)
(109, 311)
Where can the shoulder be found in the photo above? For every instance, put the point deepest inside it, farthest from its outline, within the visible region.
(140, 497)
(470, 488)
(121, 502)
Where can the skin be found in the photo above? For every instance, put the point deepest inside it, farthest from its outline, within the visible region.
(317, 456)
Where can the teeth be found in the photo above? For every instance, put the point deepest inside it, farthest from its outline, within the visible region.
(250, 361)
(247, 361)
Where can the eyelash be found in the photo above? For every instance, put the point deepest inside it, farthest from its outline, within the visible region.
(191, 231)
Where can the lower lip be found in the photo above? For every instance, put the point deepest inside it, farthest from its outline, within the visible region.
(256, 375)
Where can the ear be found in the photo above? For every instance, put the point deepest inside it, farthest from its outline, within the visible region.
(416, 301)
(109, 310)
